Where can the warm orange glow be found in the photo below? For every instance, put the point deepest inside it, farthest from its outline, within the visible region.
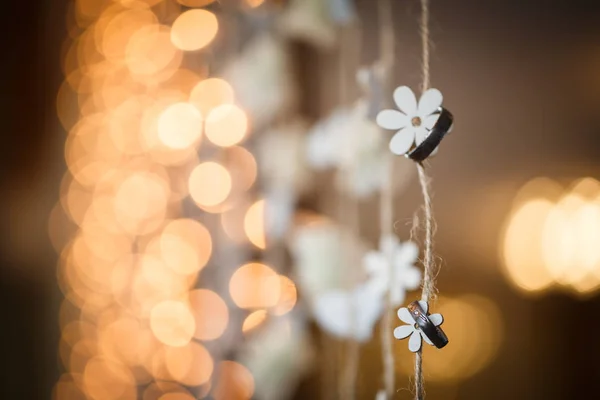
(242, 165)
(254, 3)
(209, 184)
(103, 379)
(287, 299)
(523, 252)
(226, 125)
(140, 202)
(235, 382)
(254, 224)
(180, 126)
(211, 93)
(172, 323)
(191, 365)
(150, 52)
(152, 283)
(115, 35)
(210, 312)
(68, 387)
(254, 320)
(195, 3)
(255, 286)
(186, 246)
(176, 396)
(194, 29)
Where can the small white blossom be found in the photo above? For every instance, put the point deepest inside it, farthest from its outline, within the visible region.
(392, 268)
(414, 121)
(349, 314)
(412, 330)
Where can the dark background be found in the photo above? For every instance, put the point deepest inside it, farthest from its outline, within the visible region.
(521, 77)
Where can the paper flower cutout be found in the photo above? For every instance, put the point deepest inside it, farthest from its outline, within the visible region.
(414, 121)
(349, 314)
(392, 268)
(412, 330)
(349, 141)
(323, 252)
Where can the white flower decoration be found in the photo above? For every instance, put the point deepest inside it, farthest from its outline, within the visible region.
(349, 314)
(412, 329)
(349, 141)
(414, 121)
(395, 259)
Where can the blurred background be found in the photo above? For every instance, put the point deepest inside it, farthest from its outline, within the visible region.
(175, 201)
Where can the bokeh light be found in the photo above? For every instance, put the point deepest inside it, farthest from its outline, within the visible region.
(552, 239)
(288, 297)
(172, 323)
(210, 312)
(194, 29)
(254, 224)
(104, 379)
(195, 3)
(523, 255)
(180, 126)
(186, 246)
(254, 320)
(209, 184)
(226, 125)
(255, 286)
(211, 93)
(235, 382)
(191, 365)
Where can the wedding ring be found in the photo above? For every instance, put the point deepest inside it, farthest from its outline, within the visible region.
(434, 333)
(442, 126)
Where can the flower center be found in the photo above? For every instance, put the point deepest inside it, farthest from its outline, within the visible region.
(416, 326)
(416, 121)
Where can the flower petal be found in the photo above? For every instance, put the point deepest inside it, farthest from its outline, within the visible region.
(405, 316)
(414, 343)
(409, 278)
(424, 306)
(425, 338)
(406, 101)
(430, 101)
(374, 262)
(430, 120)
(392, 119)
(397, 294)
(421, 134)
(407, 254)
(402, 141)
(404, 331)
(436, 319)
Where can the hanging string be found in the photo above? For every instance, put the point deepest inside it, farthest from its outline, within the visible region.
(387, 45)
(429, 290)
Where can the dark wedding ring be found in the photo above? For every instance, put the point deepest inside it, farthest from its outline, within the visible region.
(437, 133)
(433, 333)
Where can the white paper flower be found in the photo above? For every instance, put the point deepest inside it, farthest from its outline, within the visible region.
(349, 141)
(414, 121)
(323, 255)
(412, 330)
(349, 314)
(392, 268)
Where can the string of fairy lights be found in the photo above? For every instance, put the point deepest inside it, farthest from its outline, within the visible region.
(158, 178)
